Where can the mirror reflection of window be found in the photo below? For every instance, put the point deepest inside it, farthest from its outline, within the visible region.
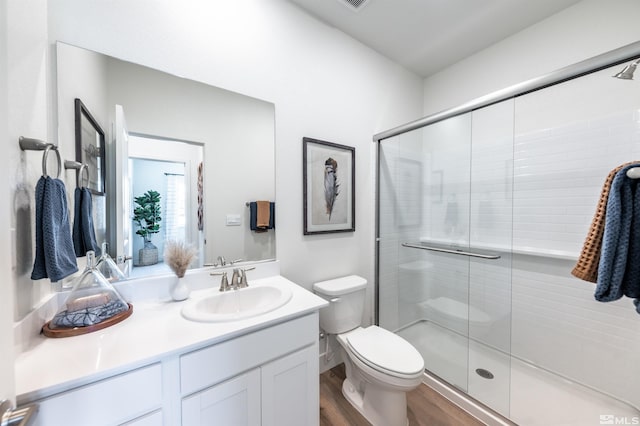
(175, 207)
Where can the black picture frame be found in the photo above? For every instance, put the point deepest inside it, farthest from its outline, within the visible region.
(90, 147)
(329, 183)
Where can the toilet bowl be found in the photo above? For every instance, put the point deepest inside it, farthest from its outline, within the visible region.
(381, 367)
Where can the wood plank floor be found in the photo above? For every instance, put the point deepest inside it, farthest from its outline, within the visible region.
(425, 407)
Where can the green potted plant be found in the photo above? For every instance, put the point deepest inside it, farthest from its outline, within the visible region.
(147, 216)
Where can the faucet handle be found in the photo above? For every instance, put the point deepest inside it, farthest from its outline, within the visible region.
(224, 282)
(243, 277)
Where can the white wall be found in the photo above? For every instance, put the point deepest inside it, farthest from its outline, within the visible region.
(28, 115)
(6, 291)
(579, 32)
(323, 83)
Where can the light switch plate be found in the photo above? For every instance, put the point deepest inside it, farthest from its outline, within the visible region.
(233, 220)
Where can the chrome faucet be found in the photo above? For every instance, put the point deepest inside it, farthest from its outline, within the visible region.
(221, 261)
(238, 279)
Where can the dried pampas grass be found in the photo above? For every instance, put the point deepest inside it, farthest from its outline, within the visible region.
(179, 255)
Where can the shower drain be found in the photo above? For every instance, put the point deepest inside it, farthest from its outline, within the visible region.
(485, 374)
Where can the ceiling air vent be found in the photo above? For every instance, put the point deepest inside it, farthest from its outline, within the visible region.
(354, 5)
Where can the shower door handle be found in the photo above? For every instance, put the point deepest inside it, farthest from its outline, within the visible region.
(433, 247)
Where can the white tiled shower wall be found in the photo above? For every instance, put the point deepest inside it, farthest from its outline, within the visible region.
(567, 139)
(543, 156)
(558, 175)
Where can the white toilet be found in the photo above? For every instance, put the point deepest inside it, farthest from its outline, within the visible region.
(380, 365)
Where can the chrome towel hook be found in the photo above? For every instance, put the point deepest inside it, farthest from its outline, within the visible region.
(83, 171)
(29, 144)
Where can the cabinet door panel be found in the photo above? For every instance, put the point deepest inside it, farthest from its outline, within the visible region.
(290, 389)
(235, 402)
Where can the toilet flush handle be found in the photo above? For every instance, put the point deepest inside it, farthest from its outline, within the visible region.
(334, 300)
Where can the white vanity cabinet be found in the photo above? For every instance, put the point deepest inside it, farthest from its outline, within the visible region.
(274, 378)
(132, 398)
(280, 393)
(262, 370)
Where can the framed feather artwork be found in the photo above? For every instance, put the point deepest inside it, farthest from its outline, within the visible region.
(329, 171)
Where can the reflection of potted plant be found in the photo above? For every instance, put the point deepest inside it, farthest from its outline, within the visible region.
(147, 216)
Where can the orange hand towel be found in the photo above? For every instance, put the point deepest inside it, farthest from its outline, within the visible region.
(263, 214)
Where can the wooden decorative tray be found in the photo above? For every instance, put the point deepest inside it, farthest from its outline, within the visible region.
(76, 331)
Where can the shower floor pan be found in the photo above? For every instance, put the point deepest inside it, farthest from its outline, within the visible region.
(520, 391)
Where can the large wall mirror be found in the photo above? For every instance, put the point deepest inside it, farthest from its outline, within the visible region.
(206, 151)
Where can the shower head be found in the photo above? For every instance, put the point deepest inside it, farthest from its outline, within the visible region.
(627, 72)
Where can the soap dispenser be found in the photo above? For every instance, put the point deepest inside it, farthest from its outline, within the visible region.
(92, 304)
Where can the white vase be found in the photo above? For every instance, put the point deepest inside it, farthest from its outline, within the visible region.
(179, 289)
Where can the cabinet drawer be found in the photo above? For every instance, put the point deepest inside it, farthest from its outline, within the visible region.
(107, 402)
(211, 365)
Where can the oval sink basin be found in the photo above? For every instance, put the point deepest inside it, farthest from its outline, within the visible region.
(234, 305)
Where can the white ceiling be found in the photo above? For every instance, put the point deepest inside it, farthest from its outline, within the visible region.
(426, 36)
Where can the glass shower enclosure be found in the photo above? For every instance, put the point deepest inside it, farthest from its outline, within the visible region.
(481, 215)
(445, 248)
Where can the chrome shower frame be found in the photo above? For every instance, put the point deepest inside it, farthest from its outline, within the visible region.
(588, 66)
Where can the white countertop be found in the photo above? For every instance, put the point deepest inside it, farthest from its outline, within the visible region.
(156, 330)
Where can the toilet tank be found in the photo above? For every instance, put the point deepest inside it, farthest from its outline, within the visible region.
(346, 303)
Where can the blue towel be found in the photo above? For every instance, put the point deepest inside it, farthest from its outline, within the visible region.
(253, 216)
(618, 269)
(55, 258)
(631, 281)
(84, 234)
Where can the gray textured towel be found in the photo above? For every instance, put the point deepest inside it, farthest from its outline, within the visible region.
(618, 269)
(84, 234)
(55, 258)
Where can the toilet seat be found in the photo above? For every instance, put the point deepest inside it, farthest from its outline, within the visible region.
(385, 351)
